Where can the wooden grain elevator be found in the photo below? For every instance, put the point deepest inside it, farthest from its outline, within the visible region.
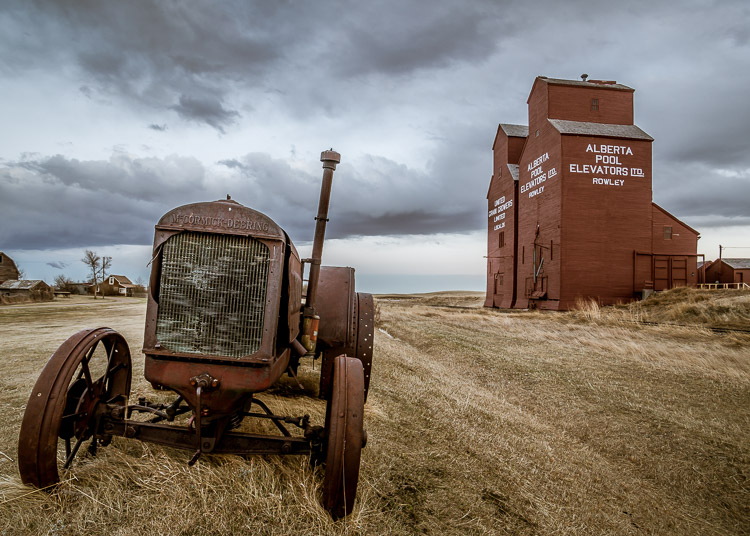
(570, 210)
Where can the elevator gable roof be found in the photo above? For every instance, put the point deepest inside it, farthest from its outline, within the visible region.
(515, 131)
(580, 128)
(512, 131)
(738, 264)
(598, 84)
(513, 168)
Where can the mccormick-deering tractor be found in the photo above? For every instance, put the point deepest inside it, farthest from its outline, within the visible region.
(226, 318)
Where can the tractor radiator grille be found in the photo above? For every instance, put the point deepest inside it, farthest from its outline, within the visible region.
(212, 294)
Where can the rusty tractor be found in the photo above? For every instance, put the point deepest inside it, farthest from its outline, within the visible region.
(226, 318)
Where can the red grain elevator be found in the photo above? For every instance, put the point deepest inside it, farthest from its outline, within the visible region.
(570, 211)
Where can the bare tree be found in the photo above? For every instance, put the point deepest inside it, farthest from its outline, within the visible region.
(98, 266)
(63, 283)
(140, 284)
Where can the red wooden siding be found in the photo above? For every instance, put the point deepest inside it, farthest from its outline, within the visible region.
(582, 222)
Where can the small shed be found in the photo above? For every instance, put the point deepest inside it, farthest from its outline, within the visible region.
(728, 271)
(117, 285)
(25, 290)
(81, 287)
(8, 268)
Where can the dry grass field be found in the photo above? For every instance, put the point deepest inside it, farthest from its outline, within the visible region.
(479, 422)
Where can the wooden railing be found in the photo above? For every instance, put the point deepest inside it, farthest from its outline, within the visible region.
(721, 286)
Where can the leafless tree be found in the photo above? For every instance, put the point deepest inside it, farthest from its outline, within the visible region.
(140, 284)
(64, 283)
(98, 266)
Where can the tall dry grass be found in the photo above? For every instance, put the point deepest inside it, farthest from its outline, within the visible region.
(728, 309)
(479, 422)
(132, 487)
(584, 428)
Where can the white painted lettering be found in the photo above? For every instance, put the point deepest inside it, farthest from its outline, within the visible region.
(609, 149)
(536, 192)
(608, 182)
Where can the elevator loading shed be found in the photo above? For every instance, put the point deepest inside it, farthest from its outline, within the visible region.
(728, 271)
(570, 205)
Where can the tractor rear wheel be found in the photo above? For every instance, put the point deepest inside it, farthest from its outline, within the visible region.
(345, 436)
(91, 368)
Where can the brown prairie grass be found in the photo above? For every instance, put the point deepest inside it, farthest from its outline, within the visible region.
(728, 309)
(479, 422)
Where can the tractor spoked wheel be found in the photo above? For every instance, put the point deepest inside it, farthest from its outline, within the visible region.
(89, 369)
(345, 437)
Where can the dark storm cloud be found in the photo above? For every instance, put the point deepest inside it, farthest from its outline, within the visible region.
(376, 196)
(452, 69)
(707, 196)
(415, 222)
(705, 125)
(140, 179)
(58, 202)
(208, 109)
(158, 128)
(158, 53)
(117, 201)
(161, 53)
(86, 91)
(232, 163)
(58, 264)
(411, 37)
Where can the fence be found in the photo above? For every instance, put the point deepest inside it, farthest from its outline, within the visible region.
(721, 286)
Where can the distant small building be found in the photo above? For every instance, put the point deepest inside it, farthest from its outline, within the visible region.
(8, 268)
(117, 285)
(25, 290)
(81, 288)
(728, 271)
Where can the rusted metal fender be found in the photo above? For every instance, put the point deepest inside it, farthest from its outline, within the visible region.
(347, 323)
(336, 306)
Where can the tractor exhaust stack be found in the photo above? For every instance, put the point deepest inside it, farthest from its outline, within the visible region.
(330, 159)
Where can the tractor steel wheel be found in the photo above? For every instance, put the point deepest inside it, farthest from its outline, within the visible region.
(89, 369)
(345, 436)
(365, 332)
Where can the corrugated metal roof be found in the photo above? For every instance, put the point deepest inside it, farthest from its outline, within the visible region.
(515, 131)
(24, 284)
(590, 84)
(513, 168)
(738, 264)
(631, 132)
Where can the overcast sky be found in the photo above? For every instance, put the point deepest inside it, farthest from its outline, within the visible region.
(115, 112)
